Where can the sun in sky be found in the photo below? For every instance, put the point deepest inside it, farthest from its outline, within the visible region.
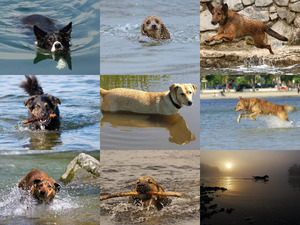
(228, 165)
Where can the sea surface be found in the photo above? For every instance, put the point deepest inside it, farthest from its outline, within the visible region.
(219, 129)
(175, 171)
(149, 132)
(74, 204)
(79, 111)
(255, 202)
(125, 51)
(18, 53)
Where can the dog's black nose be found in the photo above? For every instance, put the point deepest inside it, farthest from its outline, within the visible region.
(190, 103)
(42, 192)
(154, 26)
(214, 23)
(57, 45)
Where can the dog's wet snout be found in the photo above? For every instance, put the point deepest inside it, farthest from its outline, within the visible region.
(154, 26)
(42, 192)
(58, 45)
(214, 22)
(190, 103)
(142, 188)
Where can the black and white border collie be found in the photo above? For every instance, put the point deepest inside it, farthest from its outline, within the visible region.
(48, 35)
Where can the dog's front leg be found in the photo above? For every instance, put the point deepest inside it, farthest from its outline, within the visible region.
(253, 115)
(220, 32)
(225, 37)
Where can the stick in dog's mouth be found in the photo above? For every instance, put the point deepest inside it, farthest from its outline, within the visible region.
(137, 194)
(42, 121)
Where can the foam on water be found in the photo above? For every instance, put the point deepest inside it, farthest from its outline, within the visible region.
(18, 203)
(275, 122)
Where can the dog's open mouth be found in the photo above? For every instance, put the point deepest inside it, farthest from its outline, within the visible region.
(44, 122)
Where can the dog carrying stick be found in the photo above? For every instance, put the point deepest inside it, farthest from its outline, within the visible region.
(135, 194)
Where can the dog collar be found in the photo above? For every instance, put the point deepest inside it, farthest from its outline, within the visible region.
(177, 106)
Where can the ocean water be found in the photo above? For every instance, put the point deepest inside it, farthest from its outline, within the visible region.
(219, 129)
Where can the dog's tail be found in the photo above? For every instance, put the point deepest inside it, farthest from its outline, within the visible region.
(289, 108)
(275, 34)
(31, 86)
(103, 92)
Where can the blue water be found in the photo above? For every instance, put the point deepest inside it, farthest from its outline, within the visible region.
(219, 129)
(121, 51)
(79, 109)
(17, 49)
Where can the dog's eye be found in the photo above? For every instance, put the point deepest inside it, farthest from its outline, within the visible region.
(148, 22)
(49, 186)
(150, 182)
(219, 14)
(182, 94)
(156, 21)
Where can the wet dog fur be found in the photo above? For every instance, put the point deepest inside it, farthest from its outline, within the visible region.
(153, 27)
(48, 35)
(42, 188)
(165, 103)
(40, 105)
(232, 25)
(144, 186)
(256, 107)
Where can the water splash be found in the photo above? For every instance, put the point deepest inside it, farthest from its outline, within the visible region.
(275, 122)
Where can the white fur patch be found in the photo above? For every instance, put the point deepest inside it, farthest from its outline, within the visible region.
(53, 49)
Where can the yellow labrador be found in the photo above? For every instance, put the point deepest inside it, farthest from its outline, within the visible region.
(165, 103)
(152, 26)
(144, 186)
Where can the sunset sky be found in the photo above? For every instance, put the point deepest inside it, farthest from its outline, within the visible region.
(247, 163)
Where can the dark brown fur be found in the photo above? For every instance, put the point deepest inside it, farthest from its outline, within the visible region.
(41, 186)
(255, 107)
(144, 186)
(233, 25)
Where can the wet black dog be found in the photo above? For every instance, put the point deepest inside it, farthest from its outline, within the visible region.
(40, 106)
(48, 35)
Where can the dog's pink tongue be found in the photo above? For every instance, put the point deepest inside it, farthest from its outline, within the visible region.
(42, 120)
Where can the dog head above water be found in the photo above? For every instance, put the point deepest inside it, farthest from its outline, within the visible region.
(152, 26)
(182, 93)
(219, 13)
(53, 41)
(242, 105)
(41, 106)
(44, 190)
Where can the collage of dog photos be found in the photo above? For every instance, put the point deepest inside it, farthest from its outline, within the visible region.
(249, 112)
(100, 112)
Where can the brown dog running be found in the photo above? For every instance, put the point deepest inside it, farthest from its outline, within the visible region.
(153, 27)
(255, 107)
(144, 186)
(233, 25)
(41, 186)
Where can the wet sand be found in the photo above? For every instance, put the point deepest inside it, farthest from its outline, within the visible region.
(257, 94)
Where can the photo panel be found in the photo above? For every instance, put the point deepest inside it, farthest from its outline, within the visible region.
(149, 112)
(136, 174)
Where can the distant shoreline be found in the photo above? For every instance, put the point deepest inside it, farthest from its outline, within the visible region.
(257, 94)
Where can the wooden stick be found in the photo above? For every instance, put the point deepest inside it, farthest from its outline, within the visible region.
(135, 194)
(37, 119)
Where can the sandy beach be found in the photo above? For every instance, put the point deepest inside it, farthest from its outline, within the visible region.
(256, 94)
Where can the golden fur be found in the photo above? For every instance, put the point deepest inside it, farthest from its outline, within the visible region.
(153, 27)
(41, 186)
(144, 186)
(130, 100)
(256, 107)
(233, 25)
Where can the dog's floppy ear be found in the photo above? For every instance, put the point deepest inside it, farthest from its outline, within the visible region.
(67, 29)
(194, 87)
(57, 187)
(210, 7)
(39, 33)
(143, 29)
(225, 8)
(164, 32)
(54, 100)
(173, 88)
(36, 181)
(29, 102)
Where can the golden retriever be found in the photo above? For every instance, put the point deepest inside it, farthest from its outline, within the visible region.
(165, 103)
(153, 27)
(255, 107)
(144, 186)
